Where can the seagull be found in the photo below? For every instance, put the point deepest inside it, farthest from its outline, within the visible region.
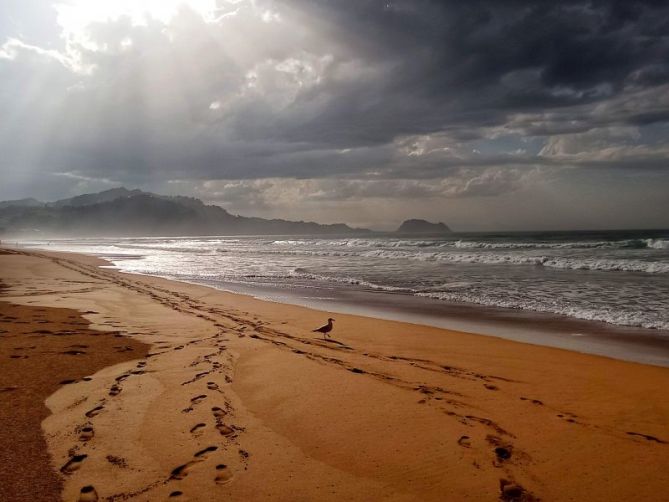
(325, 329)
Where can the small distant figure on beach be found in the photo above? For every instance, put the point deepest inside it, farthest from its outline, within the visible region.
(325, 329)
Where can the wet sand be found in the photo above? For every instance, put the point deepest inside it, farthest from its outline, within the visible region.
(642, 345)
(41, 350)
(239, 400)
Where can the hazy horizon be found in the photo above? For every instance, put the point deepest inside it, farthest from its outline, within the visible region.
(392, 226)
(487, 116)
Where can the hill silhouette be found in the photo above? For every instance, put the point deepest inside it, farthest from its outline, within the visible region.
(422, 227)
(123, 212)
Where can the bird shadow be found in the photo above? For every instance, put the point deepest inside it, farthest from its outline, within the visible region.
(334, 342)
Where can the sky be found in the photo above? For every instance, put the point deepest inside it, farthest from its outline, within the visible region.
(485, 114)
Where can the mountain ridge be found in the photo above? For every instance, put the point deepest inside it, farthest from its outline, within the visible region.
(123, 212)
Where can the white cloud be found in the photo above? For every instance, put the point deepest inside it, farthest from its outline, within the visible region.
(589, 143)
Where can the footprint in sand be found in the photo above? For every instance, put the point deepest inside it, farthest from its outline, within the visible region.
(218, 412)
(117, 461)
(647, 437)
(197, 429)
(122, 377)
(513, 492)
(86, 433)
(203, 453)
(176, 494)
(567, 417)
(88, 494)
(198, 399)
(533, 401)
(182, 471)
(115, 390)
(95, 411)
(225, 430)
(502, 453)
(193, 402)
(465, 441)
(223, 474)
(196, 377)
(73, 464)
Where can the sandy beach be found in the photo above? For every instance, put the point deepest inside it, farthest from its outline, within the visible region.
(149, 389)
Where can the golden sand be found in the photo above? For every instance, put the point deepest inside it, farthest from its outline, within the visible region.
(239, 400)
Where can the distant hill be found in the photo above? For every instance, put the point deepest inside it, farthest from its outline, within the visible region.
(123, 212)
(422, 227)
(95, 198)
(21, 203)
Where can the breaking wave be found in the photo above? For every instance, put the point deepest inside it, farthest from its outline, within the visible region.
(467, 292)
(614, 277)
(556, 262)
(610, 315)
(619, 244)
(467, 244)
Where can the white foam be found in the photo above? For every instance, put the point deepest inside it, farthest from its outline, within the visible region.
(657, 243)
(618, 244)
(484, 271)
(575, 263)
(609, 315)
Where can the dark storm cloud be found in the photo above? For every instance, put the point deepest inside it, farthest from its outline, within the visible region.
(470, 64)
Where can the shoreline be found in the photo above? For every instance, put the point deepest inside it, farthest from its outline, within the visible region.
(625, 343)
(236, 390)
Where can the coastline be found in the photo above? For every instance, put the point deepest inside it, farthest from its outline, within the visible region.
(640, 345)
(435, 415)
(624, 321)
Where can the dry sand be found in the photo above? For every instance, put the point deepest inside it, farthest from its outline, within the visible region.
(239, 400)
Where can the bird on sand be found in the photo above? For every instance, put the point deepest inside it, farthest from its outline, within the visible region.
(325, 329)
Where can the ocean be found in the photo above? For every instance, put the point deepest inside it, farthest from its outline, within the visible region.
(620, 278)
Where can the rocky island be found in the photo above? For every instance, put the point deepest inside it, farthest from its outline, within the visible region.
(423, 227)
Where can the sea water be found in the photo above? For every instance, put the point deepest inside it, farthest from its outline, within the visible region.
(620, 278)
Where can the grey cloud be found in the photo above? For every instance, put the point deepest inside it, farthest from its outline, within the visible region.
(270, 192)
